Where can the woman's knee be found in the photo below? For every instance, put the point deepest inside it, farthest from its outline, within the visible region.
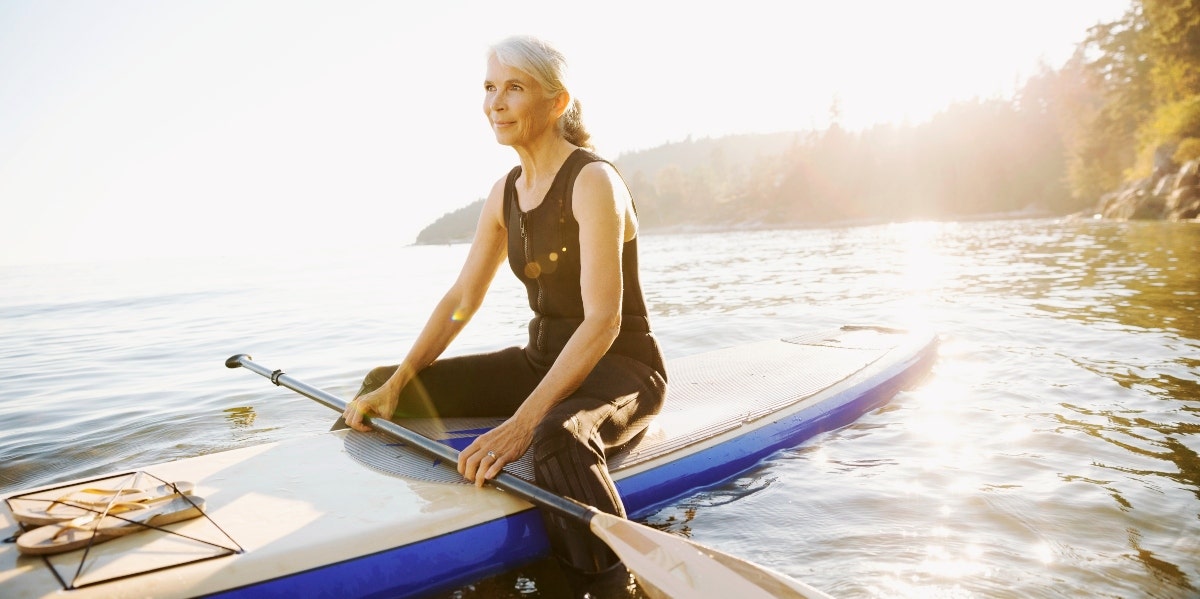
(554, 432)
(559, 440)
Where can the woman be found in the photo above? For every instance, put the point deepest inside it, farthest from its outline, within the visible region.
(592, 376)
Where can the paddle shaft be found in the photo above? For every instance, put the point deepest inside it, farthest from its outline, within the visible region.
(506, 481)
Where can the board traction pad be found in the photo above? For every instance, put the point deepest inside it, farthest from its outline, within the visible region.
(707, 394)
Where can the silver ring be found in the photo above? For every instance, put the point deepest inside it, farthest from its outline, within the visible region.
(491, 454)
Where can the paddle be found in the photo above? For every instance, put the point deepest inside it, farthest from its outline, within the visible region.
(664, 564)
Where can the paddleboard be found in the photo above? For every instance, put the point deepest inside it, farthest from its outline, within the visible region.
(356, 514)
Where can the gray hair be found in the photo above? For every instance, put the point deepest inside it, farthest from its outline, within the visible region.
(548, 67)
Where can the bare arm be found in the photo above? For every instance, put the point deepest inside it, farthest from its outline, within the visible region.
(457, 306)
(600, 204)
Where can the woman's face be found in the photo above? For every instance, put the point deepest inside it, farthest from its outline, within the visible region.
(515, 104)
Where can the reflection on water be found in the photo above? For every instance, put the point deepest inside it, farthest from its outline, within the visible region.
(242, 417)
(1139, 275)
(1052, 452)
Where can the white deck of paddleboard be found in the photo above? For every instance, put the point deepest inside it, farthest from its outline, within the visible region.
(708, 394)
(300, 504)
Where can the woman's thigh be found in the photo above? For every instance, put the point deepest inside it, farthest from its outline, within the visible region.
(479, 385)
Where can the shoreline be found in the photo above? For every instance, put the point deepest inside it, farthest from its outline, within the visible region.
(702, 228)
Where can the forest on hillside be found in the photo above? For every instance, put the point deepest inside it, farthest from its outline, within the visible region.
(1127, 102)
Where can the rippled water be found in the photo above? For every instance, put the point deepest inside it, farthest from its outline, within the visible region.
(1052, 452)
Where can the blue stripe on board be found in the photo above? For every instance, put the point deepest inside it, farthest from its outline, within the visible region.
(443, 562)
(650, 490)
(473, 432)
(459, 443)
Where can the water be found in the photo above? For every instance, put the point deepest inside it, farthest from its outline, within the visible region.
(1052, 451)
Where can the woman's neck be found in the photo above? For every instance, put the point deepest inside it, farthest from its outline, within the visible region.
(541, 161)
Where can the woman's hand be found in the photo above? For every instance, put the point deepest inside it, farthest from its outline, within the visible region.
(487, 455)
(379, 403)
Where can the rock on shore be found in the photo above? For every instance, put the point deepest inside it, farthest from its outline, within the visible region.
(1168, 194)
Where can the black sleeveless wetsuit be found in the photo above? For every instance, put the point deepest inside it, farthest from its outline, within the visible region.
(613, 404)
(543, 251)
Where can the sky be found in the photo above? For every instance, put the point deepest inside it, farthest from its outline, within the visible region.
(142, 129)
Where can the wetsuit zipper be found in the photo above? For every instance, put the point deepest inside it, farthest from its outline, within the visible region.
(537, 281)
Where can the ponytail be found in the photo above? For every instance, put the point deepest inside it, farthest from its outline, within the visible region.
(572, 127)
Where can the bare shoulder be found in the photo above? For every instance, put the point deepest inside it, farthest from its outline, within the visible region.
(493, 206)
(602, 199)
(599, 185)
(497, 191)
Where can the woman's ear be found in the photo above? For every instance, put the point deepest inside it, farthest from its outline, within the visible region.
(561, 102)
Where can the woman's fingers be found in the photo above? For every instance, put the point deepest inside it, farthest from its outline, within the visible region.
(468, 460)
(477, 464)
(487, 455)
(493, 469)
(489, 466)
(355, 410)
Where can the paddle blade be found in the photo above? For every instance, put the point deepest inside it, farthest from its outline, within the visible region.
(668, 566)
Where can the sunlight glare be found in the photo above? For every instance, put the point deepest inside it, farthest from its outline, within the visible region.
(940, 566)
(1016, 433)
(936, 417)
(1043, 552)
(924, 266)
(921, 270)
(942, 563)
(914, 488)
